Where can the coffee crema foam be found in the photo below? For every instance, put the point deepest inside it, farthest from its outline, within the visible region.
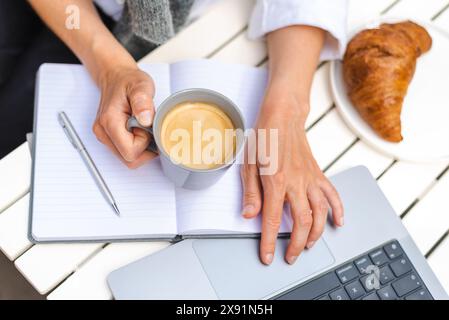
(198, 135)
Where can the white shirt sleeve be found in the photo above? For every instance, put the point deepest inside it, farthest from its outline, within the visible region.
(329, 15)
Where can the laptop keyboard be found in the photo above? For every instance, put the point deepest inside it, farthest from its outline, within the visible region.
(384, 273)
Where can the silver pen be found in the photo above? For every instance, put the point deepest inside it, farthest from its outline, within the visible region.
(78, 145)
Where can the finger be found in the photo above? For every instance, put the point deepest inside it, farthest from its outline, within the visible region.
(302, 222)
(271, 221)
(141, 138)
(140, 98)
(320, 208)
(145, 157)
(130, 144)
(335, 203)
(252, 197)
(104, 139)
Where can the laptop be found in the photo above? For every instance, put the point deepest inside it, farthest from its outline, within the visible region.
(371, 258)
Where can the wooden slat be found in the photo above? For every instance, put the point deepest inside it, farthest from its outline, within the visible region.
(361, 12)
(320, 94)
(443, 20)
(15, 173)
(439, 262)
(328, 138)
(429, 219)
(243, 50)
(418, 9)
(90, 281)
(405, 182)
(205, 35)
(45, 266)
(362, 154)
(14, 228)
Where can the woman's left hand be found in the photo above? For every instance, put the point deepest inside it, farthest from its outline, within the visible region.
(297, 180)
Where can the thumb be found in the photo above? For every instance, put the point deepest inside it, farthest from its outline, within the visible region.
(252, 198)
(142, 105)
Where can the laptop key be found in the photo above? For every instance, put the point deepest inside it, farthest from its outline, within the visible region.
(393, 250)
(379, 257)
(326, 297)
(339, 294)
(387, 293)
(347, 273)
(401, 266)
(363, 263)
(385, 275)
(371, 296)
(369, 282)
(355, 290)
(421, 294)
(406, 284)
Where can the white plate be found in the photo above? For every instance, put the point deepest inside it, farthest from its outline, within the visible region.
(425, 113)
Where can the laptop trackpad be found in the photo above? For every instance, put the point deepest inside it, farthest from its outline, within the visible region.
(235, 271)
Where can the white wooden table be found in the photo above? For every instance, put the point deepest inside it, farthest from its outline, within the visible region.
(417, 192)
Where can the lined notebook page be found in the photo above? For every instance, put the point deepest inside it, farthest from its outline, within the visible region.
(67, 205)
(218, 208)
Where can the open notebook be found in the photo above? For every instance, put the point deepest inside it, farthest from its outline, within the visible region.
(67, 205)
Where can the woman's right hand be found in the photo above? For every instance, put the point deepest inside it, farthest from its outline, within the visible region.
(125, 91)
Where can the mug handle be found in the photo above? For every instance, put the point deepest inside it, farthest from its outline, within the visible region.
(133, 123)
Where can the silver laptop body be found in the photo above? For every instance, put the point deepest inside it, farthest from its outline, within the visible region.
(231, 269)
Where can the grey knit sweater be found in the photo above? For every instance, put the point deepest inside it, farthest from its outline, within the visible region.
(146, 24)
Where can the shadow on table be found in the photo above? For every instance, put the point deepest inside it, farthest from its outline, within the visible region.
(12, 284)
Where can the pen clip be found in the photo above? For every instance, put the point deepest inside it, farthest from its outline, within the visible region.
(66, 131)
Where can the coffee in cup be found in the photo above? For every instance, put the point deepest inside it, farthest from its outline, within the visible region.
(198, 135)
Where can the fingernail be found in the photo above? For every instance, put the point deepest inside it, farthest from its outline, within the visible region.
(292, 259)
(248, 209)
(268, 258)
(341, 221)
(310, 244)
(144, 118)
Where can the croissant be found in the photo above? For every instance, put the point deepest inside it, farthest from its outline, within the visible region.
(377, 68)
